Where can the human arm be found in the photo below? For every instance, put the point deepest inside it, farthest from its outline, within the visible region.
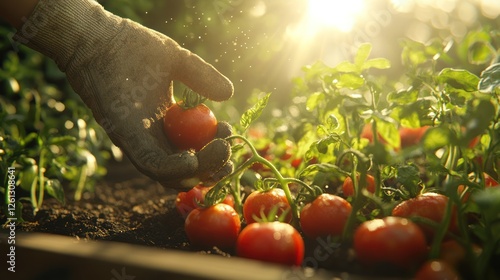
(123, 71)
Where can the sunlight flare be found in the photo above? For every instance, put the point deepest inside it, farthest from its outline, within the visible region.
(341, 15)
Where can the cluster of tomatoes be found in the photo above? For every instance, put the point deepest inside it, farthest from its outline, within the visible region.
(269, 226)
(393, 240)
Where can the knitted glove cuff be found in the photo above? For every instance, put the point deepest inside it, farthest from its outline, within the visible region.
(68, 31)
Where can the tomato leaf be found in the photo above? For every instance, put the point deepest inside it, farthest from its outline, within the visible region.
(314, 99)
(490, 79)
(478, 120)
(347, 67)
(61, 140)
(254, 112)
(379, 63)
(389, 132)
(362, 54)
(436, 137)
(55, 189)
(459, 78)
(322, 167)
(403, 96)
(351, 81)
(480, 52)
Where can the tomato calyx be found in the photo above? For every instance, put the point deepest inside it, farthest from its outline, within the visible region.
(190, 99)
(272, 216)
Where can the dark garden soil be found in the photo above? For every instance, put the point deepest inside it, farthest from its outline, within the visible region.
(126, 206)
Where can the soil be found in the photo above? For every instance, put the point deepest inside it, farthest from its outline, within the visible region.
(127, 206)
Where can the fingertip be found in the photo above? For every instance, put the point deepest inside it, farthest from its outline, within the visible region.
(202, 77)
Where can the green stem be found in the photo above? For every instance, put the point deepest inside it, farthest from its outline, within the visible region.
(41, 190)
(450, 164)
(281, 180)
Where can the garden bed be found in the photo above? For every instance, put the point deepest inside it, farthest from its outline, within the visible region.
(130, 209)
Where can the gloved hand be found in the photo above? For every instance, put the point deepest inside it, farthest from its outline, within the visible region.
(123, 71)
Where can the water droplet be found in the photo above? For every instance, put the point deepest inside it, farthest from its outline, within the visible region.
(146, 123)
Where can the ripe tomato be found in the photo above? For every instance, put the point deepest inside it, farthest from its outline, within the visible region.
(187, 201)
(326, 215)
(190, 128)
(429, 205)
(436, 270)
(367, 133)
(411, 136)
(261, 202)
(489, 182)
(217, 225)
(272, 242)
(452, 253)
(348, 186)
(391, 240)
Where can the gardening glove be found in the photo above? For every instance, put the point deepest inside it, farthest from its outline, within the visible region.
(123, 72)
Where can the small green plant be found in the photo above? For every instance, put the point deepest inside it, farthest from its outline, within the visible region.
(48, 137)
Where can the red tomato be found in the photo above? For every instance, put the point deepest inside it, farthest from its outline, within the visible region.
(488, 183)
(436, 270)
(274, 242)
(217, 225)
(391, 240)
(261, 202)
(367, 133)
(187, 201)
(429, 205)
(348, 186)
(452, 252)
(190, 128)
(326, 215)
(411, 136)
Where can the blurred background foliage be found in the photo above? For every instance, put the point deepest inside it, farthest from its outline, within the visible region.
(261, 45)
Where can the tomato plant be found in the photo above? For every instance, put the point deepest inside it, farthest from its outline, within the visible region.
(391, 240)
(260, 203)
(189, 124)
(325, 215)
(403, 206)
(274, 242)
(216, 225)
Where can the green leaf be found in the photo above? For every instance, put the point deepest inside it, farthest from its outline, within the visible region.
(347, 67)
(488, 201)
(27, 176)
(313, 100)
(459, 78)
(321, 167)
(322, 144)
(364, 51)
(436, 137)
(478, 120)
(389, 132)
(379, 63)
(254, 112)
(332, 123)
(490, 79)
(480, 53)
(403, 96)
(55, 189)
(61, 140)
(350, 81)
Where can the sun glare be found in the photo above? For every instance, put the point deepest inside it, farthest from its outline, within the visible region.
(335, 13)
